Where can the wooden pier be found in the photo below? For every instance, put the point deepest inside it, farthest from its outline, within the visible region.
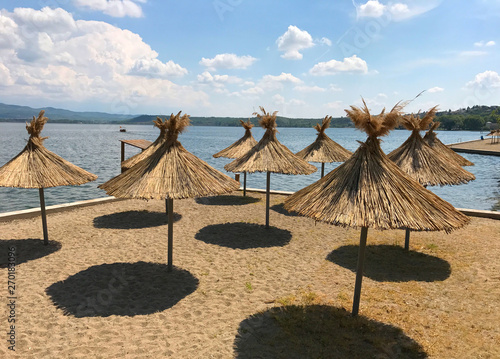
(480, 147)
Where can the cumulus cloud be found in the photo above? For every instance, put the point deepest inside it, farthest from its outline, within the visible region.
(435, 89)
(351, 64)
(155, 68)
(397, 11)
(485, 80)
(371, 9)
(293, 41)
(271, 82)
(227, 61)
(51, 56)
(114, 8)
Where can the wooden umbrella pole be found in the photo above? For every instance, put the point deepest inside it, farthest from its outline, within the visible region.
(322, 169)
(44, 217)
(359, 270)
(170, 206)
(166, 206)
(268, 190)
(407, 239)
(244, 184)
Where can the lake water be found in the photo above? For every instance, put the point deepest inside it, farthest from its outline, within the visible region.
(96, 148)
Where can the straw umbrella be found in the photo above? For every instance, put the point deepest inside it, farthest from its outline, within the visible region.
(130, 162)
(431, 139)
(170, 172)
(37, 167)
(369, 190)
(269, 155)
(426, 165)
(239, 148)
(324, 149)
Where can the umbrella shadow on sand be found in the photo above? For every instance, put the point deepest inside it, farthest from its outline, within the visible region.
(388, 263)
(320, 331)
(25, 250)
(126, 289)
(243, 235)
(280, 209)
(133, 219)
(226, 200)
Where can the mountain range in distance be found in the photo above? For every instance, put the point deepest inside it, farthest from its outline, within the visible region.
(470, 118)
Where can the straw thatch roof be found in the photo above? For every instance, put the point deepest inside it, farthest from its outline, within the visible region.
(424, 164)
(170, 172)
(431, 139)
(162, 125)
(269, 155)
(369, 190)
(324, 149)
(240, 147)
(37, 167)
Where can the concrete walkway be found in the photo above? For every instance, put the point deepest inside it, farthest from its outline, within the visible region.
(481, 147)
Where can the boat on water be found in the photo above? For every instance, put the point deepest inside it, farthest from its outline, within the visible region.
(123, 129)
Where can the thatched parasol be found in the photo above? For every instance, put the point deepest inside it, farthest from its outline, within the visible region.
(269, 155)
(37, 167)
(324, 149)
(431, 139)
(170, 172)
(130, 162)
(421, 162)
(239, 148)
(369, 190)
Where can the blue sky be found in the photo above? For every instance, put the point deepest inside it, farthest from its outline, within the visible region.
(228, 57)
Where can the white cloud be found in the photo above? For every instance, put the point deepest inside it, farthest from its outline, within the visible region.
(325, 41)
(155, 68)
(293, 41)
(227, 61)
(405, 9)
(351, 64)
(280, 79)
(485, 80)
(114, 8)
(271, 83)
(435, 89)
(483, 43)
(371, 9)
(53, 58)
(217, 81)
(309, 89)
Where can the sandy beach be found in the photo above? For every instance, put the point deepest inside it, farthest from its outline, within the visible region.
(101, 288)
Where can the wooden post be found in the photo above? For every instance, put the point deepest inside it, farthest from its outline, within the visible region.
(166, 206)
(268, 192)
(407, 239)
(123, 152)
(359, 270)
(322, 169)
(170, 206)
(244, 184)
(122, 156)
(44, 217)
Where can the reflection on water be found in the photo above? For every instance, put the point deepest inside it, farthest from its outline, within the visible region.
(96, 148)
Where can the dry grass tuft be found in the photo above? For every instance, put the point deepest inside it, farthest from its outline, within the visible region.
(324, 149)
(37, 167)
(375, 126)
(240, 147)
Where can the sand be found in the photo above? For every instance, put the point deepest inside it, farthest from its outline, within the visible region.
(101, 288)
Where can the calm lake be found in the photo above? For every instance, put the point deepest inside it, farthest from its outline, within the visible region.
(96, 148)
